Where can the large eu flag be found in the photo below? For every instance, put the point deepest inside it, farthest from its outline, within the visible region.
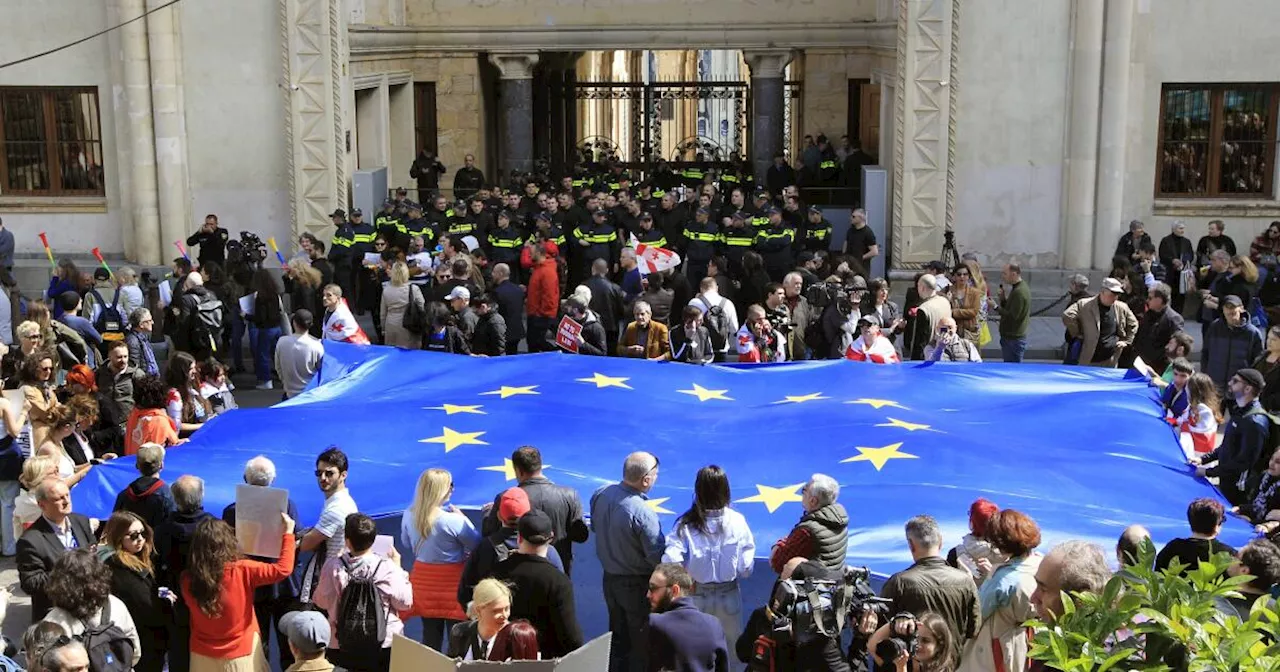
(1083, 451)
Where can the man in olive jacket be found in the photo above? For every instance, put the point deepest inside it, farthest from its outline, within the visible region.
(932, 585)
(1104, 326)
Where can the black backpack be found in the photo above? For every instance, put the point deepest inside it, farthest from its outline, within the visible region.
(362, 618)
(110, 323)
(206, 322)
(717, 323)
(110, 650)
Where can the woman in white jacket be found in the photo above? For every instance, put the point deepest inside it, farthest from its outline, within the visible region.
(80, 589)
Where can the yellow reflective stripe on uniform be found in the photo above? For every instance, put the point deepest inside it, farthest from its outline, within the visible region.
(738, 240)
(658, 193)
(505, 242)
(340, 242)
(821, 233)
(579, 183)
(759, 221)
(660, 242)
(729, 178)
(703, 237)
(827, 164)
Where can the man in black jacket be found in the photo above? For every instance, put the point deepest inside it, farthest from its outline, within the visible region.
(592, 339)
(1157, 325)
(200, 319)
(510, 298)
(606, 301)
(498, 545)
(543, 595)
(690, 342)
(147, 496)
(426, 169)
(55, 532)
(490, 337)
(212, 240)
(559, 502)
(680, 636)
(468, 179)
(173, 546)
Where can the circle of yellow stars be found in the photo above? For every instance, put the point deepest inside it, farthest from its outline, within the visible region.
(771, 497)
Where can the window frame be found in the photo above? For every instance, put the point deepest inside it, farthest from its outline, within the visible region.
(426, 118)
(53, 144)
(1213, 168)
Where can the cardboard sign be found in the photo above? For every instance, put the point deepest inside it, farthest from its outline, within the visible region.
(410, 656)
(567, 334)
(258, 522)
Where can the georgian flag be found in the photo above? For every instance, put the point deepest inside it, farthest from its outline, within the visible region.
(341, 325)
(653, 259)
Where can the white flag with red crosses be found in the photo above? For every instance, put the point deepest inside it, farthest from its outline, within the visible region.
(653, 259)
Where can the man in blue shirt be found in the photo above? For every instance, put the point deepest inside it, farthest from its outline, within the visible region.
(629, 543)
(70, 302)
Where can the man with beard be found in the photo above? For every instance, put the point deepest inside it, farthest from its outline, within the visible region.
(1156, 327)
(680, 636)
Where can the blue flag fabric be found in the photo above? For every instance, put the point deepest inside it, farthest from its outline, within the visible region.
(1083, 451)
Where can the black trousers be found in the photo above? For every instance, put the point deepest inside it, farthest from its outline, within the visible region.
(378, 663)
(269, 611)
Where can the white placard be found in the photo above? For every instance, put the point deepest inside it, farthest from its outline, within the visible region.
(259, 526)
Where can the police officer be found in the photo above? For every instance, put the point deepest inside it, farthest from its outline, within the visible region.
(545, 228)
(671, 218)
(598, 241)
(440, 214)
(417, 225)
(647, 234)
(759, 210)
(647, 200)
(341, 250)
(391, 225)
(774, 244)
(212, 240)
(737, 203)
(817, 234)
(476, 222)
(363, 234)
(828, 164)
(738, 237)
(503, 241)
(691, 176)
(702, 238)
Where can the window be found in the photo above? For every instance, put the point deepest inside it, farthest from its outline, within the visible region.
(1217, 141)
(50, 142)
(424, 117)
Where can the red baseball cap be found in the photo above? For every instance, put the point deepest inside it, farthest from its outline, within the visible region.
(513, 504)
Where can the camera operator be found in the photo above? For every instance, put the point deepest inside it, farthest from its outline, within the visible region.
(212, 240)
(841, 313)
(931, 585)
(767, 642)
(915, 644)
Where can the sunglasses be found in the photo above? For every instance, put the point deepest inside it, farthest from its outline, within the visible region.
(135, 536)
(331, 473)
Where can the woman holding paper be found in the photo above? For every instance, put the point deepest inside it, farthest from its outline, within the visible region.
(441, 538)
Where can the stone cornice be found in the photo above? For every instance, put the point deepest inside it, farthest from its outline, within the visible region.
(366, 40)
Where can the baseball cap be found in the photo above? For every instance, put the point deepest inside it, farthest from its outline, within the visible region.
(513, 504)
(357, 212)
(307, 630)
(646, 217)
(1253, 377)
(941, 282)
(600, 212)
(543, 216)
(772, 211)
(339, 213)
(870, 319)
(1112, 285)
(815, 210)
(459, 292)
(703, 211)
(535, 527)
(760, 195)
(1230, 300)
(740, 215)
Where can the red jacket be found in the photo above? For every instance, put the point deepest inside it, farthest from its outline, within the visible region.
(544, 290)
(230, 635)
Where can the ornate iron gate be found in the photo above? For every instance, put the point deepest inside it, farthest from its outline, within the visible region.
(671, 120)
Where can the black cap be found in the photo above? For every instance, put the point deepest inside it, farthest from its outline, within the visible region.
(646, 217)
(1232, 300)
(339, 213)
(813, 209)
(535, 527)
(772, 211)
(543, 216)
(805, 257)
(760, 194)
(740, 215)
(1253, 378)
(601, 212)
(356, 212)
(402, 190)
(703, 211)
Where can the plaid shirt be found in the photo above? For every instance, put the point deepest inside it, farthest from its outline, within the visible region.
(798, 544)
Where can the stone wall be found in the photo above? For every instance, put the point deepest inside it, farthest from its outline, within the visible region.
(590, 13)
(460, 106)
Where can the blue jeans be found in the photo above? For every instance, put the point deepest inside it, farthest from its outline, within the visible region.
(8, 494)
(1013, 349)
(264, 351)
(724, 601)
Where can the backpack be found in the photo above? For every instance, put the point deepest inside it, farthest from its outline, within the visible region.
(717, 323)
(362, 618)
(110, 323)
(206, 322)
(110, 650)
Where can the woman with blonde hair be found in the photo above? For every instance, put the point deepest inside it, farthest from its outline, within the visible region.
(25, 509)
(29, 340)
(488, 612)
(58, 337)
(304, 284)
(62, 422)
(441, 538)
(131, 297)
(397, 294)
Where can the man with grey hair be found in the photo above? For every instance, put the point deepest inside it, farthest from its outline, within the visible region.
(138, 338)
(510, 305)
(921, 327)
(147, 496)
(1131, 243)
(629, 543)
(822, 534)
(173, 545)
(1071, 567)
(55, 532)
(271, 602)
(932, 585)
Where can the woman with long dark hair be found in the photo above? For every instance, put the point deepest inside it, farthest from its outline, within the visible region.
(37, 376)
(218, 588)
(936, 650)
(79, 588)
(149, 422)
(186, 407)
(268, 315)
(715, 545)
(130, 555)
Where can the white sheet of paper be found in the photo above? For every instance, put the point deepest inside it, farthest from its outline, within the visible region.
(258, 522)
(372, 259)
(1144, 369)
(382, 545)
(246, 303)
(16, 398)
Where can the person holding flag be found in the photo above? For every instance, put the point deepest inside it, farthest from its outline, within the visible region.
(339, 323)
(872, 346)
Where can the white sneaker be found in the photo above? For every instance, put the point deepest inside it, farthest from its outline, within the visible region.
(263, 386)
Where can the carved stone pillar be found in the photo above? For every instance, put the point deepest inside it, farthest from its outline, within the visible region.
(515, 111)
(924, 129)
(768, 105)
(315, 53)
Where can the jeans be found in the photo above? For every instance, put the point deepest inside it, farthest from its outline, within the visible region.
(264, 350)
(435, 632)
(724, 601)
(8, 495)
(628, 606)
(1013, 349)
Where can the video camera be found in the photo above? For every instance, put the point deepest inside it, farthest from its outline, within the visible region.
(807, 608)
(823, 294)
(248, 250)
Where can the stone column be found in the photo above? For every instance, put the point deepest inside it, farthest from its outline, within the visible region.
(173, 179)
(313, 37)
(768, 105)
(924, 130)
(1082, 143)
(515, 111)
(1108, 224)
(135, 137)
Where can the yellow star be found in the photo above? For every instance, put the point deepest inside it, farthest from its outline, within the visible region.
(772, 498)
(452, 439)
(704, 394)
(450, 409)
(508, 391)
(878, 403)
(656, 505)
(602, 380)
(507, 469)
(879, 456)
(816, 396)
(902, 424)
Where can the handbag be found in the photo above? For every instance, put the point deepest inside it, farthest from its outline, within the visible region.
(415, 314)
(984, 335)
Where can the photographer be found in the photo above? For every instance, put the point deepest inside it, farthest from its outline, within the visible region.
(757, 341)
(840, 314)
(212, 240)
(769, 642)
(918, 644)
